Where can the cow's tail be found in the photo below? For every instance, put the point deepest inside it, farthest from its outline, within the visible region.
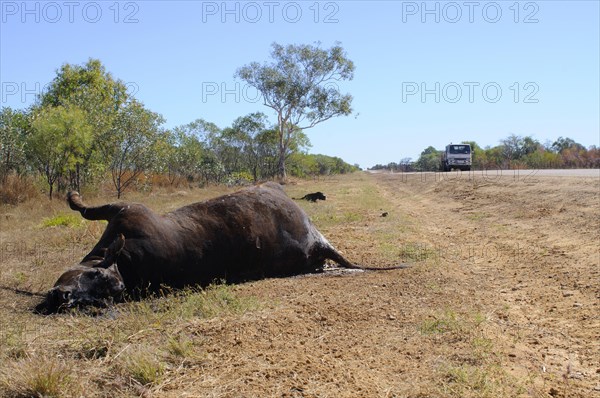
(105, 212)
(23, 292)
(334, 255)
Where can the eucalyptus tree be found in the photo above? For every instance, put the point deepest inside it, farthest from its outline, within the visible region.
(565, 143)
(91, 88)
(248, 131)
(58, 142)
(429, 160)
(301, 85)
(196, 154)
(14, 127)
(130, 147)
(182, 156)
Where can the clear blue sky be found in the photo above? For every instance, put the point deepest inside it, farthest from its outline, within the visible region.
(427, 73)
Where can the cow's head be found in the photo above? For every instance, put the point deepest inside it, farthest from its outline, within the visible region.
(95, 282)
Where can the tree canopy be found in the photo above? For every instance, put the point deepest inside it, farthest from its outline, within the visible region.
(301, 85)
(59, 140)
(14, 127)
(131, 146)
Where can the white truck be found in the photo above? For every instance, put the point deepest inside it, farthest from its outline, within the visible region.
(457, 156)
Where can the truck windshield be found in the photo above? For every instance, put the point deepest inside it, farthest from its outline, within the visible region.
(460, 149)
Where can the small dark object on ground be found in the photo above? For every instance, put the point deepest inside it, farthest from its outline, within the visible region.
(313, 197)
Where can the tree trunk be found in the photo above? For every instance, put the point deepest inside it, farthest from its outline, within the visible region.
(77, 178)
(50, 179)
(282, 148)
(118, 186)
(281, 165)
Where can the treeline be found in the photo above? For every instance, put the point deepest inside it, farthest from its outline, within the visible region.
(513, 152)
(405, 165)
(86, 128)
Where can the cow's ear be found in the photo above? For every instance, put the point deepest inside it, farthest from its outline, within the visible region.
(113, 251)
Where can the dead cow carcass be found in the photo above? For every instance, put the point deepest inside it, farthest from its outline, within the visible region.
(255, 233)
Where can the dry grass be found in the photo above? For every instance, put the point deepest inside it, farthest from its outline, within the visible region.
(39, 377)
(146, 343)
(18, 189)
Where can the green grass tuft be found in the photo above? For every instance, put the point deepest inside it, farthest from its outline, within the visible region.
(215, 300)
(465, 325)
(63, 220)
(179, 346)
(145, 368)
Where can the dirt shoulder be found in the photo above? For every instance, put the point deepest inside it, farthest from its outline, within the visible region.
(527, 249)
(502, 299)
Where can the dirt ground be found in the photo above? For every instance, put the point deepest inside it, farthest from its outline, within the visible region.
(502, 300)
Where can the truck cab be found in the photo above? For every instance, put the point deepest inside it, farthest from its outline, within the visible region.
(457, 156)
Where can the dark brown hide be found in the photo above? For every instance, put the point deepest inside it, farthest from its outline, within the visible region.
(251, 234)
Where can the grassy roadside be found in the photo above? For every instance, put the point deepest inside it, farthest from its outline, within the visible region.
(423, 332)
